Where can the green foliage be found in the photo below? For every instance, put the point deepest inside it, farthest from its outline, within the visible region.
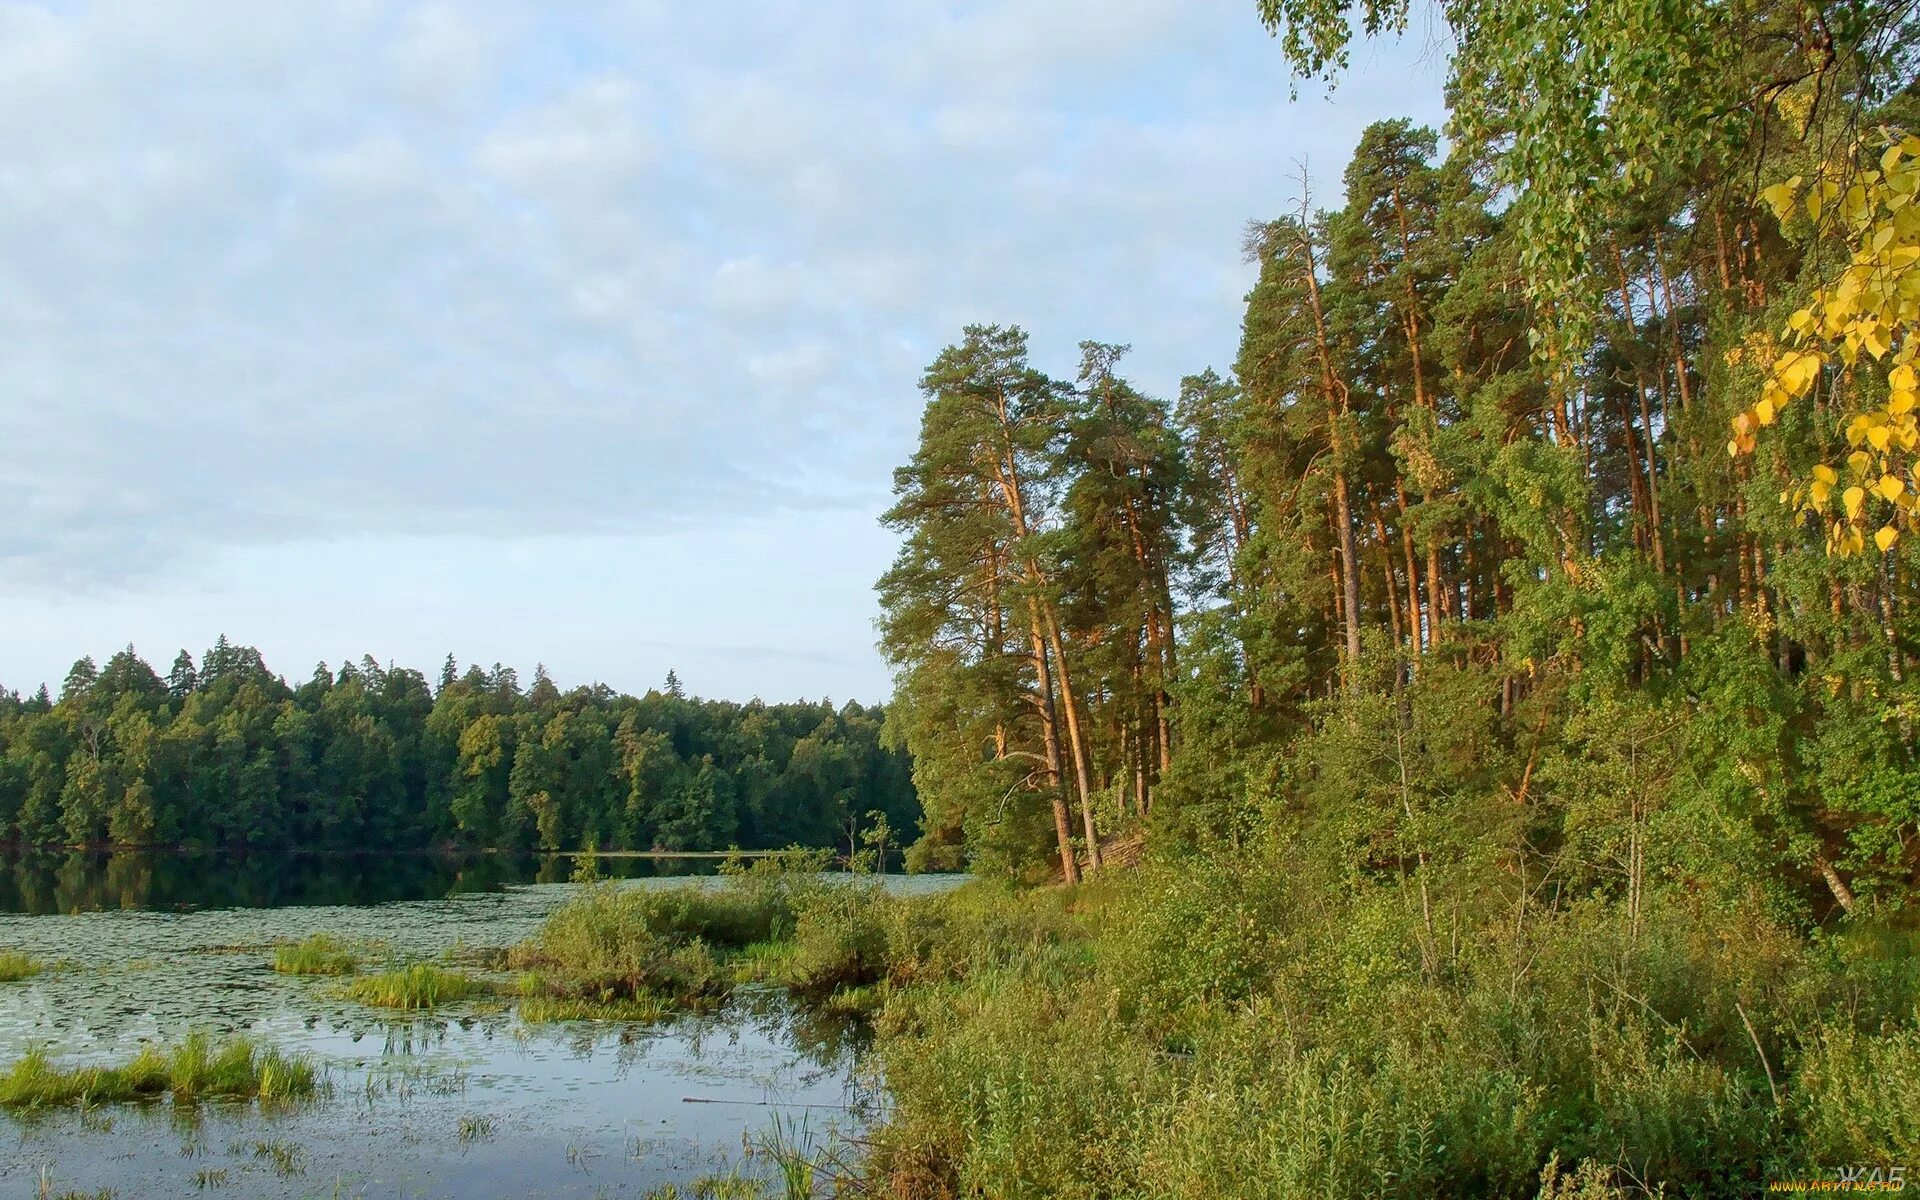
(1860, 1095)
(1304, 1041)
(231, 755)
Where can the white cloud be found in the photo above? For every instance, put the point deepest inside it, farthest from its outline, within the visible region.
(275, 272)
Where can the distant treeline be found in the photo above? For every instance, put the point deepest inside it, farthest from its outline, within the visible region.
(226, 753)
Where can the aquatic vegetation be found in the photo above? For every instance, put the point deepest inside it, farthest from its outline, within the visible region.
(475, 1128)
(614, 944)
(419, 986)
(16, 965)
(542, 1002)
(731, 1186)
(288, 1158)
(318, 954)
(798, 1162)
(211, 1177)
(196, 1068)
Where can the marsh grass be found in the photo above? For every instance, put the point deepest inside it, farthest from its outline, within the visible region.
(319, 954)
(287, 1158)
(420, 986)
(474, 1128)
(613, 950)
(16, 965)
(731, 1186)
(195, 1069)
(542, 1002)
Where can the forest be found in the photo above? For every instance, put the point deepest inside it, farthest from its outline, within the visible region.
(1499, 680)
(224, 753)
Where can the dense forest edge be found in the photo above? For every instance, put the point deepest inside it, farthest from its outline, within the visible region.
(1507, 663)
(225, 754)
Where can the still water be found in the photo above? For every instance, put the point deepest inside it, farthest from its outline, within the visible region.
(467, 1102)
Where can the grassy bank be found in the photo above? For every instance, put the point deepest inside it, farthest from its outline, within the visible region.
(195, 1069)
(1241, 1029)
(1245, 1024)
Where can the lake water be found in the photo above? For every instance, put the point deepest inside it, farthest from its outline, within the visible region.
(467, 1102)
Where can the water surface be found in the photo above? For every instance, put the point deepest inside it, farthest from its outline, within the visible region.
(469, 1101)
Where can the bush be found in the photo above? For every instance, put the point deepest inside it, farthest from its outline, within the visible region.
(839, 940)
(1859, 1096)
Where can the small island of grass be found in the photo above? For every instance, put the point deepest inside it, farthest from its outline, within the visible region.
(16, 965)
(318, 954)
(195, 1069)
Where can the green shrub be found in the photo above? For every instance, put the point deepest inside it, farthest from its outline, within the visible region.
(1859, 1096)
(839, 940)
(1256, 1030)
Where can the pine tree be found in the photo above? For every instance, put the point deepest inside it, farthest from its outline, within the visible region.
(182, 679)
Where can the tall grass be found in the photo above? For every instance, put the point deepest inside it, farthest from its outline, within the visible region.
(419, 986)
(16, 965)
(318, 954)
(1244, 1030)
(196, 1068)
(612, 945)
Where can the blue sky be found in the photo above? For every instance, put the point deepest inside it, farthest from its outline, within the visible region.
(585, 334)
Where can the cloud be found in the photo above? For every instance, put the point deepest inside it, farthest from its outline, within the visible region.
(273, 272)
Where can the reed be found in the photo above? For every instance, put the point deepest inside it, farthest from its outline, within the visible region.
(195, 1069)
(420, 986)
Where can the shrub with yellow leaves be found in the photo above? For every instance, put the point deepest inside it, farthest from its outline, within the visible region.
(1862, 320)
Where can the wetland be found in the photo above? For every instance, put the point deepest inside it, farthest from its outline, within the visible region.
(465, 1097)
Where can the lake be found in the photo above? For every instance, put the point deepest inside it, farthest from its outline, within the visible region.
(469, 1101)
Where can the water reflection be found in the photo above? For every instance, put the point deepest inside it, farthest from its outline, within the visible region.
(38, 883)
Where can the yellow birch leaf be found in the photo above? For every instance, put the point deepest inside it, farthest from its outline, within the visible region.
(1796, 372)
(1885, 537)
(1854, 498)
(1889, 487)
(1779, 197)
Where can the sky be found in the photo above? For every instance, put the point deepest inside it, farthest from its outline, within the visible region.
(584, 334)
